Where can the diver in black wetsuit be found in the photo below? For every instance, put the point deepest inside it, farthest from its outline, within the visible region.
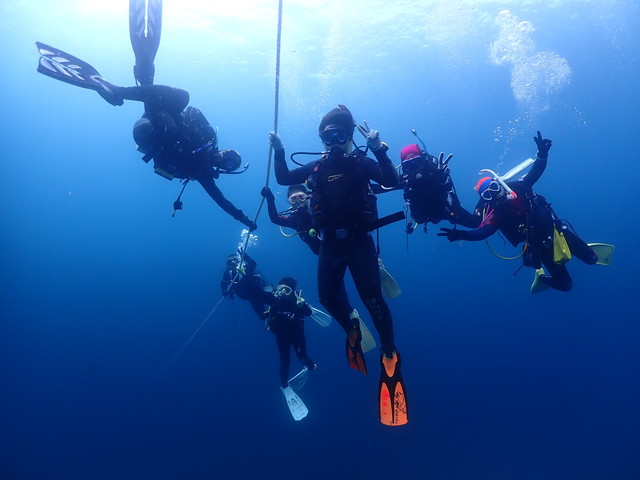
(285, 319)
(522, 215)
(343, 207)
(246, 282)
(180, 140)
(429, 192)
(297, 217)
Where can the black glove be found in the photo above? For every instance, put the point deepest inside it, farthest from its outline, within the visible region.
(452, 234)
(267, 193)
(275, 141)
(544, 145)
(409, 229)
(111, 93)
(249, 223)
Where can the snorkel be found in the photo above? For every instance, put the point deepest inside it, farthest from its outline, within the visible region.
(510, 193)
(440, 161)
(424, 147)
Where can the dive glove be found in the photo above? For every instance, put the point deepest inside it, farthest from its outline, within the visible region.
(275, 141)
(452, 234)
(267, 193)
(544, 145)
(371, 136)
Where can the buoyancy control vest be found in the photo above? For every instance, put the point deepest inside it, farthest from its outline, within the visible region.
(185, 152)
(341, 194)
(527, 218)
(426, 189)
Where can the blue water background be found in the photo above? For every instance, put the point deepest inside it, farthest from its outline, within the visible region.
(101, 288)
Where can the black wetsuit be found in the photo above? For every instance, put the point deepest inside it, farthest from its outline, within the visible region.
(248, 286)
(343, 207)
(298, 219)
(180, 139)
(529, 218)
(286, 322)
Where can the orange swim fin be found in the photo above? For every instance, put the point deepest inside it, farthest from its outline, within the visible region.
(392, 399)
(355, 355)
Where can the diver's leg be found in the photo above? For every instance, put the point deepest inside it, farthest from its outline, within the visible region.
(299, 344)
(332, 265)
(331, 269)
(557, 276)
(145, 25)
(282, 341)
(343, 297)
(363, 265)
(579, 248)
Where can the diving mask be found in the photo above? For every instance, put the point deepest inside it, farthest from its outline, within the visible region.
(298, 197)
(283, 290)
(491, 191)
(334, 136)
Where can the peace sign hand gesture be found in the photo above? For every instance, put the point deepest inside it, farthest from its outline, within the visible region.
(371, 136)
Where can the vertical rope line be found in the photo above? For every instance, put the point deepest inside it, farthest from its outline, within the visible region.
(276, 109)
(275, 129)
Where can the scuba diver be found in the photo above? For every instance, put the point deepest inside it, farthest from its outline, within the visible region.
(178, 137)
(297, 216)
(429, 193)
(523, 216)
(344, 212)
(285, 319)
(243, 280)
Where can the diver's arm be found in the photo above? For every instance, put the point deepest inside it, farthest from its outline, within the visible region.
(157, 97)
(477, 234)
(382, 171)
(284, 176)
(539, 166)
(462, 215)
(215, 193)
(273, 211)
(304, 310)
(533, 175)
(466, 218)
(279, 219)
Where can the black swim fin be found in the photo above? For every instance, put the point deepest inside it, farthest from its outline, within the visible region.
(145, 26)
(62, 66)
(65, 67)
